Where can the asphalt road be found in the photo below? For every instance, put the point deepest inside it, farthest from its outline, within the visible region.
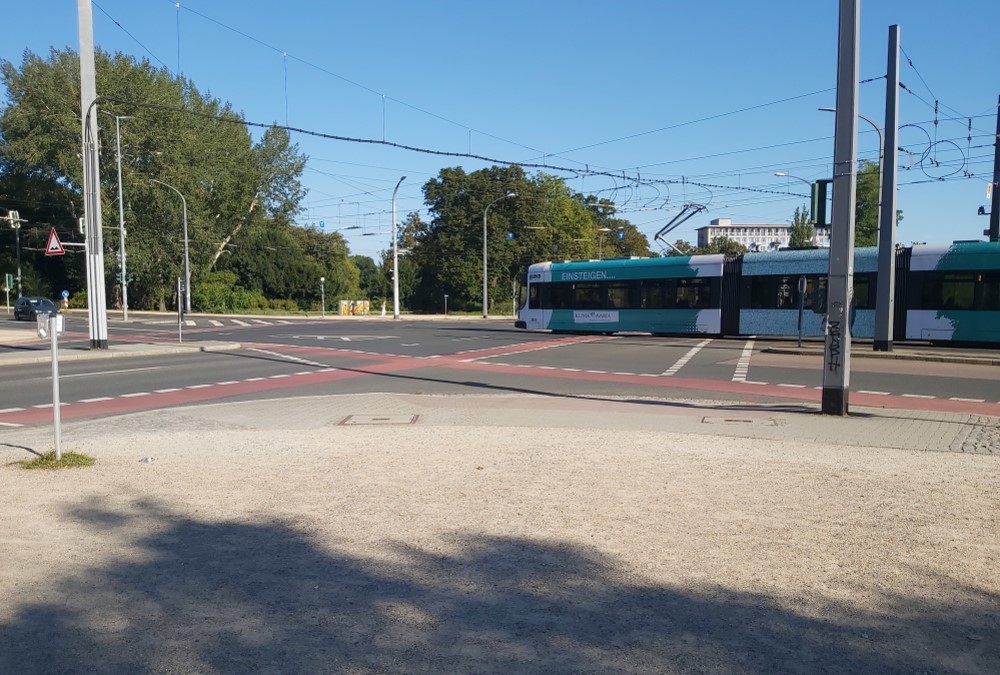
(281, 357)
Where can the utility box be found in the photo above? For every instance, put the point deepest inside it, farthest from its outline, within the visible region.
(42, 320)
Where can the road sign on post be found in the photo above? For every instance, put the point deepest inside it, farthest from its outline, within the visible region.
(54, 246)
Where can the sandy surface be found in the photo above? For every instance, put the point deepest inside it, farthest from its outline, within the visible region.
(471, 549)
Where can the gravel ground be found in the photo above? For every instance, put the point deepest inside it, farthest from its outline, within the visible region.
(476, 549)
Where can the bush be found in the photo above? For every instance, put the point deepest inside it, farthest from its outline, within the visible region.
(78, 300)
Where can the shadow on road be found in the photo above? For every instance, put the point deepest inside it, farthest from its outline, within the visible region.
(208, 597)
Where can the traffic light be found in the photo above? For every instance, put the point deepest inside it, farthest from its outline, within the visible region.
(819, 217)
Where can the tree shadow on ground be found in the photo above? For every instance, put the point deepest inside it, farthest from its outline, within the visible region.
(195, 596)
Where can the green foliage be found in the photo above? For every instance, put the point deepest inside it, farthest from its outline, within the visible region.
(545, 221)
(69, 460)
(723, 245)
(78, 300)
(235, 188)
(802, 233)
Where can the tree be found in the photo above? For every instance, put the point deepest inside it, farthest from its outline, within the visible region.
(239, 193)
(723, 245)
(866, 211)
(802, 233)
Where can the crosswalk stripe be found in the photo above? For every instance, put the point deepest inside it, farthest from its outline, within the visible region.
(672, 370)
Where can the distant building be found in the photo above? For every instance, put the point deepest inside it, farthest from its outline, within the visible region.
(755, 237)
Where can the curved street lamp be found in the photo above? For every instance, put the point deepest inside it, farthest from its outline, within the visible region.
(486, 304)
(782, 174)
(881, 155)
(187, 265)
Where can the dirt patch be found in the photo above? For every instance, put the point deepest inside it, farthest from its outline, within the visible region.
(458, 549)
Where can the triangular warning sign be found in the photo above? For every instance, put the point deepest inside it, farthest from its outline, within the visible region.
(54, 247)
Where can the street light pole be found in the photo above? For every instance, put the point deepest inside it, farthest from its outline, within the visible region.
(15, 222)
(322, 296)
(187, 264)
(395, 255)
(121, 214)
(881, 156)
(486, 301)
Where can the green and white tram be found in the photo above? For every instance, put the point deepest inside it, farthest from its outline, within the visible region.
(652, 295)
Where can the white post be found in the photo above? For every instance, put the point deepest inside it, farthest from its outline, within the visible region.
(56, 412)
(97, 305)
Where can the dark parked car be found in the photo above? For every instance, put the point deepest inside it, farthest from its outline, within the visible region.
(29, 308)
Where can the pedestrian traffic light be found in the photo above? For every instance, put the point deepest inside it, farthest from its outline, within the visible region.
(819, 217)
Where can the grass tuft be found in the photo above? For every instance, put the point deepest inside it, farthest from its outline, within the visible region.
(70, 460)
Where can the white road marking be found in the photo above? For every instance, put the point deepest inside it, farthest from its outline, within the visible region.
(918, 396)
(216, 322)
(136, 394)
(110, 372)
(874, 393)
(97, 399)
(793, 386)
(239, 323)
(967, 400)
(189, 322)
(262, 322)
(222, 384)
(198, 386)
(743, 365)
(166, 391)
(9, 424)
(286, 357)
(7, 410)
(672, 370)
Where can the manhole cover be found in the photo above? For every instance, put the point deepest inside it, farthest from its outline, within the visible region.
(377, 420)
(742, 421)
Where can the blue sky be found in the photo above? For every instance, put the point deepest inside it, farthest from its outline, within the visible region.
(706, 99)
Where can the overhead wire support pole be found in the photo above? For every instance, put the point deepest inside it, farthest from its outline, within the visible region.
(885, 290)
(121, 215)
(486, 302)
(96, 304)
(837, 351)
(994, 231)
(395, 254)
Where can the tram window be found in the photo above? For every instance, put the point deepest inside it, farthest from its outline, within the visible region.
(589, 296)
(693, 293)
(863, 286)
(560, 296)
(618, 295)
(783, 292)
(989, 292)
(653, 294)
(948, 291)
(533, 299)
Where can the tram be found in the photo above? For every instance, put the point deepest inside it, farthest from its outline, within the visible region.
(943, 293)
